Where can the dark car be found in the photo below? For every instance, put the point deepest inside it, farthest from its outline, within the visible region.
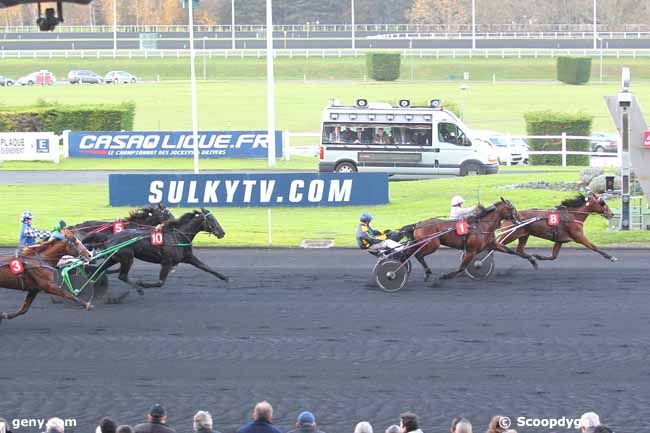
(602, 142)
(79, 77)
(4, 81)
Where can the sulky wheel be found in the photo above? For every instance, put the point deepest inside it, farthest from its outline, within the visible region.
(90, 293)
(391, 275)
(482, 266)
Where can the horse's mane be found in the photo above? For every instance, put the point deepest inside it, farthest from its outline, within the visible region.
(184, 219)
(37, 248)
(577, 201)
(140, 213)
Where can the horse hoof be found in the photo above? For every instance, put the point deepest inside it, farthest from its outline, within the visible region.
(427, 276)
(226, 279)
(613, 259)
(89, 307)
(140, 291)
(435, 283)
(534, 264)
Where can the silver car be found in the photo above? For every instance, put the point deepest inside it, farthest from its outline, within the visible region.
(120, 77)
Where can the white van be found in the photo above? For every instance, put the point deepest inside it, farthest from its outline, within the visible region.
(401, 140)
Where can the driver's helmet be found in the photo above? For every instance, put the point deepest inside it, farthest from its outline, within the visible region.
(59, 226)
(365, 217)
(457, 200)
(25, 216)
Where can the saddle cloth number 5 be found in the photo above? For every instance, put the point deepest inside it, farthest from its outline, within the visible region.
(118, 227)
(156, 238)
(553, 219)
(462, 228)
(16, 266)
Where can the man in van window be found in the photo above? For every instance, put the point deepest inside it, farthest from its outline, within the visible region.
(382, 137)
(447, 133)
(348, 135)
(335, 136)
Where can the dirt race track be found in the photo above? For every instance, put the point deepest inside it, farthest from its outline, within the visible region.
(307, 329)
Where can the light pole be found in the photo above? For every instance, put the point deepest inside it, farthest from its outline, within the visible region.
(473, 24)
(354, 45)
(270, 85)
(232, 23)
(595, 25)
(114, 28)
(195, 119)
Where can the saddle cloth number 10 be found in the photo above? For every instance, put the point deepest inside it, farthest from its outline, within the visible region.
(156, 238)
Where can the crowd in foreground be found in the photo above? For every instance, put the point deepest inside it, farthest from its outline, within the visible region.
(262, 422)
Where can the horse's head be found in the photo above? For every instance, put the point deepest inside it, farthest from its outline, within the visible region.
(210, 223)
(73, 246)
(507, 210)
(163, 212)
(596, 204)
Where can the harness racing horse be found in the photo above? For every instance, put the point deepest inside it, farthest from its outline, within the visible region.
(38, 262)
(147, 216)
(572, 215)
(175, 247)
(480, 236)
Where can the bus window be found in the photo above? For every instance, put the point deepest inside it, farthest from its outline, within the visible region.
(377, 134)
(450, 133)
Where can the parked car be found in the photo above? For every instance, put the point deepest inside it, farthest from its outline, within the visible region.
(521, 146)
(604, 142)
(43, 78)
(120, 77)
(4, 81)
(83, 76)
(507, 149)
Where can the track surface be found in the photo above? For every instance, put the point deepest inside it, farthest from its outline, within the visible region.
(307, 329)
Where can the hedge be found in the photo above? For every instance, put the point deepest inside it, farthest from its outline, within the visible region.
(555, 123)
(573, 70)
(383, 66)
(57, 118)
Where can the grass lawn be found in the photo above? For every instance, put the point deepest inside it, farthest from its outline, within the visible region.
(410, 202)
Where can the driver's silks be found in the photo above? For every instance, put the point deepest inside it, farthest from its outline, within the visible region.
(462, 228)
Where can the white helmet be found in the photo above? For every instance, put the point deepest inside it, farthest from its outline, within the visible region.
(457, 200)
(25, 215)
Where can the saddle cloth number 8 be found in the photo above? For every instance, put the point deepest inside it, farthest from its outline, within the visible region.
(553, 219)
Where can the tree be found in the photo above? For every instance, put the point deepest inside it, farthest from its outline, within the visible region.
(447, 12)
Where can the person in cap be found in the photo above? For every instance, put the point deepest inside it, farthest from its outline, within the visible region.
(156, 421)
(457, 210)
(262, 420)
(306, 423)
(29, 234)
(371, 239)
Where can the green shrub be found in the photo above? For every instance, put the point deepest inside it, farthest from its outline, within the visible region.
(53, 117)
(383, 66)
(554, 123)
(573, 70)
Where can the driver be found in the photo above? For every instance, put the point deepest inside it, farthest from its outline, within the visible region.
(29, 234)
(56, 231)
(457, 210)
(371, 239)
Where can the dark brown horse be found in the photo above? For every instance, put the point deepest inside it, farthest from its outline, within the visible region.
(149, 216)
(482, 225)
(38, 262)
(571, 213)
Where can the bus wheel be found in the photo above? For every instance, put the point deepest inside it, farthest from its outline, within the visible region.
(345, 167)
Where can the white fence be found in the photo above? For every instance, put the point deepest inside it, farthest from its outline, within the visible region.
(322, 53)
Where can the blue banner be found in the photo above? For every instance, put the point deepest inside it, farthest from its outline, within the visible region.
(248, 189)
(171, 144)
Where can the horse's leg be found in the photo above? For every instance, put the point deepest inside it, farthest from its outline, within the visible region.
(467, 259)
(165, 268)
(126, 261)
(427, 270)
(194, 261)
(504, 249)
(582, 239)
(521, 244)
(553, 256)
(31, 295)
(53, 289)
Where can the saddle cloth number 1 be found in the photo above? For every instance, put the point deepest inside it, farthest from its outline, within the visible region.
(156, 238)
(118, 226)
(462, 228)
(16, 266)
(553, 219)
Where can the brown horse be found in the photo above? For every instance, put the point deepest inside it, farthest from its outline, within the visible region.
(38, 274)
(482, 225)
(572, 214)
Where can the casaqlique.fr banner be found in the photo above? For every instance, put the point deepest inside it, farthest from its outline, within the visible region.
(171, 144)
(240, 190)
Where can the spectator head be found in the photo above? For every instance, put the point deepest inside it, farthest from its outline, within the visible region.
(157, 414)
(306, 421)
(393, 429)
(202, 421)
(408, 421)
(263, 411)
(107, 425)
(54, 425)
(363, 427)
(463, 426)
(588, 422)
(124, 429)
(494, 426)
(4, 426)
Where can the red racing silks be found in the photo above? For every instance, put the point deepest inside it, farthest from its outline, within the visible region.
(16, 266)
(462, 228)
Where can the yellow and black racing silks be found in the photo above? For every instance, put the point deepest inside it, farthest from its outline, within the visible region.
(367, 236)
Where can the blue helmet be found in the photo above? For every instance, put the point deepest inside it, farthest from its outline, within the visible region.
(25, 215)
(365, 217)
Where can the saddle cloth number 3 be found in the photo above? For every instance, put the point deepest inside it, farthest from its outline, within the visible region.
(156, 238)
(16, 266)
(462, 228)
(553, 219)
